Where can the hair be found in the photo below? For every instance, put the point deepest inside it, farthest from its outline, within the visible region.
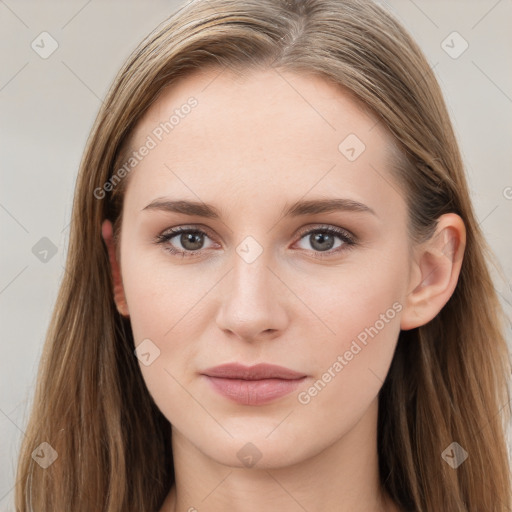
(448, 380)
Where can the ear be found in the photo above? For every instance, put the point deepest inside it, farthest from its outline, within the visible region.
(119, 297)
(435, 272)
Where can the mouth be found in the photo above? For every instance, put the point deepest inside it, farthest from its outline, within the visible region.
(253, 385)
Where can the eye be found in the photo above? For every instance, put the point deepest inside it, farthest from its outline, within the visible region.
(190, 240)
(323, 239)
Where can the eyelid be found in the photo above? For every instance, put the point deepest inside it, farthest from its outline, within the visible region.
(176, 230)
(339, 231)
(348, 238)
(169, 233)
(302, 231)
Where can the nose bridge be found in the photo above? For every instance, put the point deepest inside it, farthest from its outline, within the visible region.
(250, 302)
(250, 280)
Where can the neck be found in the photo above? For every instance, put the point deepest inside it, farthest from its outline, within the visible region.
(344, 477)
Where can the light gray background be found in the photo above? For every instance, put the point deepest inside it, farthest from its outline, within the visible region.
(48, 107)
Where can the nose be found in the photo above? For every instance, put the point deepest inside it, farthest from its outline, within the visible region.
(252, 301)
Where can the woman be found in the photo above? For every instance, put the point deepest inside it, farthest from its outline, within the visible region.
(277, 295)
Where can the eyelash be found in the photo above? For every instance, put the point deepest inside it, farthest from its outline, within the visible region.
(347, 238)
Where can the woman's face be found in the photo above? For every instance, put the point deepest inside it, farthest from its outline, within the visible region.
(275, 276)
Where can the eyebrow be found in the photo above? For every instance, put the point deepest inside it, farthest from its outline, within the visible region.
(300, 208)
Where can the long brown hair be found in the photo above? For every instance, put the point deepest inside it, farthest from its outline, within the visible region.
(448, 381)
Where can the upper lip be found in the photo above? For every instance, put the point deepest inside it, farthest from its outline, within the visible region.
(256, 372)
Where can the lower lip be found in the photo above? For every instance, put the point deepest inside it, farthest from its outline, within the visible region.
(254, 392)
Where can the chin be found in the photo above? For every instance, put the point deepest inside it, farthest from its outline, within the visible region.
(255, 449)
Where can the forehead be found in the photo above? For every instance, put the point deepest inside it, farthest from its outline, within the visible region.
(260, 100)
(219, 134)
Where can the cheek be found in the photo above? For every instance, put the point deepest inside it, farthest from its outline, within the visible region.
(361, 316)
(162, 317)
(160, 296)
(360, 302)
(166, 305)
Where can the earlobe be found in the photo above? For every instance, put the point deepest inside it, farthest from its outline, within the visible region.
(437, 269)
(119, 296)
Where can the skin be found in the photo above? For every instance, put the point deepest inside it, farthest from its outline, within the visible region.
(249, 147)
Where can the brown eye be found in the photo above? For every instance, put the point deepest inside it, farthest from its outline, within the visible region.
(324, 239)
(183, 241)
(192, 241)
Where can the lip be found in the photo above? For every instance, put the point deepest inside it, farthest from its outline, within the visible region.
(253, 385)
(256, 372)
